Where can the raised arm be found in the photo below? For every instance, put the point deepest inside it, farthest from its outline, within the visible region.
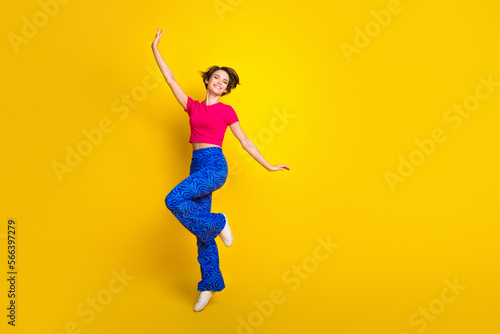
(252, 149)
(167, 72)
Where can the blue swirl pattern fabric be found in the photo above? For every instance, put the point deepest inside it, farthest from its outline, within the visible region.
(191, 203)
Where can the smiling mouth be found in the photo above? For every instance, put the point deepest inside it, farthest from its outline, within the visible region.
(217, 86)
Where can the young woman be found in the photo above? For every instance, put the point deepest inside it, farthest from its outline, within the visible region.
(190, 201)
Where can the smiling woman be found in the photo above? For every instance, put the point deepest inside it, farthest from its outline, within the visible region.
(226, 74)
(191, 200)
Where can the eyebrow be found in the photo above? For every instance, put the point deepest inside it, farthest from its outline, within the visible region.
(222, 78)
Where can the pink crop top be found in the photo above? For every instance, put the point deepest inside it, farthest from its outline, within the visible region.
(209, 123)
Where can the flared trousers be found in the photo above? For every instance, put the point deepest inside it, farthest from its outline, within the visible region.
(191, 203)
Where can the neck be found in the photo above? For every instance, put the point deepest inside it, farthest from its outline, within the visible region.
(211, 98)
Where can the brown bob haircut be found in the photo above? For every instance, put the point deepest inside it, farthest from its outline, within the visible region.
(234, 79)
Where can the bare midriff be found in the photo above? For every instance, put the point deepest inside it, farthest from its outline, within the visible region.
(197, 146)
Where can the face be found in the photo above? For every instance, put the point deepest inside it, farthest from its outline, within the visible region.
(218, 82)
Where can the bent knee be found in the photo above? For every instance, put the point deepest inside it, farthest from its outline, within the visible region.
(171, 201)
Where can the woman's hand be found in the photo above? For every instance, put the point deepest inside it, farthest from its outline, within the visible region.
(278, 167)
(157, 38)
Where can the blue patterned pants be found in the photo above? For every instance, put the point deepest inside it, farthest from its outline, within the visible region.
(190, 202)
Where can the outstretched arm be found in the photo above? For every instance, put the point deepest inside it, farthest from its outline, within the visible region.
(167, 72)
(252, 149)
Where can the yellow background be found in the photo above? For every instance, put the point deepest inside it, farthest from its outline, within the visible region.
(348, 124)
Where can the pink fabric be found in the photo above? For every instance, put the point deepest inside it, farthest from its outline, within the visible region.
(209, 123)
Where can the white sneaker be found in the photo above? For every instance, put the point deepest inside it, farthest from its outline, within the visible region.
(226, 235)
(203, 300)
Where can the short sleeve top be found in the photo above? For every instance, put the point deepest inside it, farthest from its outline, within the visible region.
(209, 123)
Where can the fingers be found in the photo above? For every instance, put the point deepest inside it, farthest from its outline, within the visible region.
(281, 167)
